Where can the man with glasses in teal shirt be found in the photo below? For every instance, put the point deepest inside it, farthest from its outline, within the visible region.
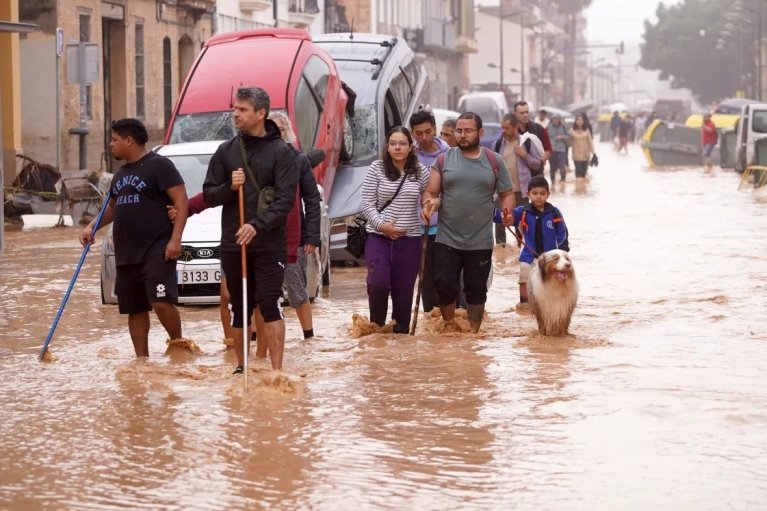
(462, 186)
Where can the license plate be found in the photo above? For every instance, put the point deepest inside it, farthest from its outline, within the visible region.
(199, 276)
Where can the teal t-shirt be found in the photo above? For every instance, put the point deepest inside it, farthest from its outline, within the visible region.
(466, 213)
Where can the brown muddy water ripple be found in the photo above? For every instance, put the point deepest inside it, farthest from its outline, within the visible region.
(656, 401)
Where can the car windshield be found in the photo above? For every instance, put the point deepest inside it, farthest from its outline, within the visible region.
(365, 133)
(205, 126)
(192, 168)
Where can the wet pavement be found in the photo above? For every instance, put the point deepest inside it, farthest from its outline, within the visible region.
(656, 400)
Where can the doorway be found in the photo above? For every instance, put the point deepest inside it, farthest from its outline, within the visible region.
(186, 54)
(115, 93)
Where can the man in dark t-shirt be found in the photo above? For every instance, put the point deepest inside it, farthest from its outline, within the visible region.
(146, 242)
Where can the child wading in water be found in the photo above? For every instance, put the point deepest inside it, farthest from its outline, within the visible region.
(543, 229)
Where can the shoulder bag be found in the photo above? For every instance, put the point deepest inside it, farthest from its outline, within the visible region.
(357, 234)
(266, 194)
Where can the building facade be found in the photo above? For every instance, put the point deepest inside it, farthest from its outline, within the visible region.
(522, 48)
(136, 55)
(234, 15)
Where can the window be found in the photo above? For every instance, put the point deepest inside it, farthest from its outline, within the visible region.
(400, 91)
(392, 116)
(85, 36)
(412, 73)
(88, 101)
(167, 85)
(308, 113)
(85, 28)
(317, 73)
(760, 121)
(140, 97)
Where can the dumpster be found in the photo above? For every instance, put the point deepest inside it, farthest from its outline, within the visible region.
(603, 127)
(728, 146)
(670, 144)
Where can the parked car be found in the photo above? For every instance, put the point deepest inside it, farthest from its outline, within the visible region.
(491, 106)
(389, 85)
(300, 78)
(751, 129)
(199, 268)
(492, 133)
(441, 115)
(733, 106)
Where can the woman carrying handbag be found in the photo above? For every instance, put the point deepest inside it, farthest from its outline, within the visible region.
(391, 205)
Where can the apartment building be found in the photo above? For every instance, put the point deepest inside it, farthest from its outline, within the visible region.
(522, 47)
(137, 56)
(234, 15)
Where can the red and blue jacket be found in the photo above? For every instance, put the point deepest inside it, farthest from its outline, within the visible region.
(542, 230)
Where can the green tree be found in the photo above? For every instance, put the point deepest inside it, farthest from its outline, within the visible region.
(571, 9)
(683, 46)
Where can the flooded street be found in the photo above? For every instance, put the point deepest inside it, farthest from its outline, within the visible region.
(656, 401)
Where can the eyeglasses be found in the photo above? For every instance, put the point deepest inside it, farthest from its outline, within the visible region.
(465, 131)
(399, 144)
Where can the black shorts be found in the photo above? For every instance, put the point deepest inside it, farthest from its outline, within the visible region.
(138, 286)
(266, 272)
(448, 264)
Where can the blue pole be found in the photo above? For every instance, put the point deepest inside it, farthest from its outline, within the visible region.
(72, 282)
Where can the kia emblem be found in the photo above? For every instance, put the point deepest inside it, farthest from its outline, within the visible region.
(204, 252)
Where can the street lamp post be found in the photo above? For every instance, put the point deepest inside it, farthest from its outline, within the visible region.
(500, 38)
(501, 17)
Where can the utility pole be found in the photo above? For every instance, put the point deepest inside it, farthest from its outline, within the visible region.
(500, 39)
(521, 55)
(759, 51)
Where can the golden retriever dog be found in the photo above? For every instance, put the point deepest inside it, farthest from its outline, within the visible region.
(553, 292)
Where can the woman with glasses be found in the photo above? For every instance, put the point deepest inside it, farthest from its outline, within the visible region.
(391, 199)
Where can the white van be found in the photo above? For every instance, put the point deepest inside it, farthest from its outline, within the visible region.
(751, 128)
(441, 115)
(491, 106)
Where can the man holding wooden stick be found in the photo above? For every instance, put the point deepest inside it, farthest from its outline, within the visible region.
(258, 160)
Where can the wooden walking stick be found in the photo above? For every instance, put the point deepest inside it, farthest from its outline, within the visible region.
(424, 243)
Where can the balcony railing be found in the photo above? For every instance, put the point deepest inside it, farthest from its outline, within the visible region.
(255, 5)
(198, 5)
(301, 13)
(439, 34)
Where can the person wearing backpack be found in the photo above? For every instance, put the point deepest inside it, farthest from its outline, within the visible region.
(558, 134)
(462, 186)
(543, 229)
(520, 155)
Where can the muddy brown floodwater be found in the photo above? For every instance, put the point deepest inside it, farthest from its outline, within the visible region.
(656, 401)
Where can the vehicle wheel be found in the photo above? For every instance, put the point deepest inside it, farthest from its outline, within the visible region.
(347, 144)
